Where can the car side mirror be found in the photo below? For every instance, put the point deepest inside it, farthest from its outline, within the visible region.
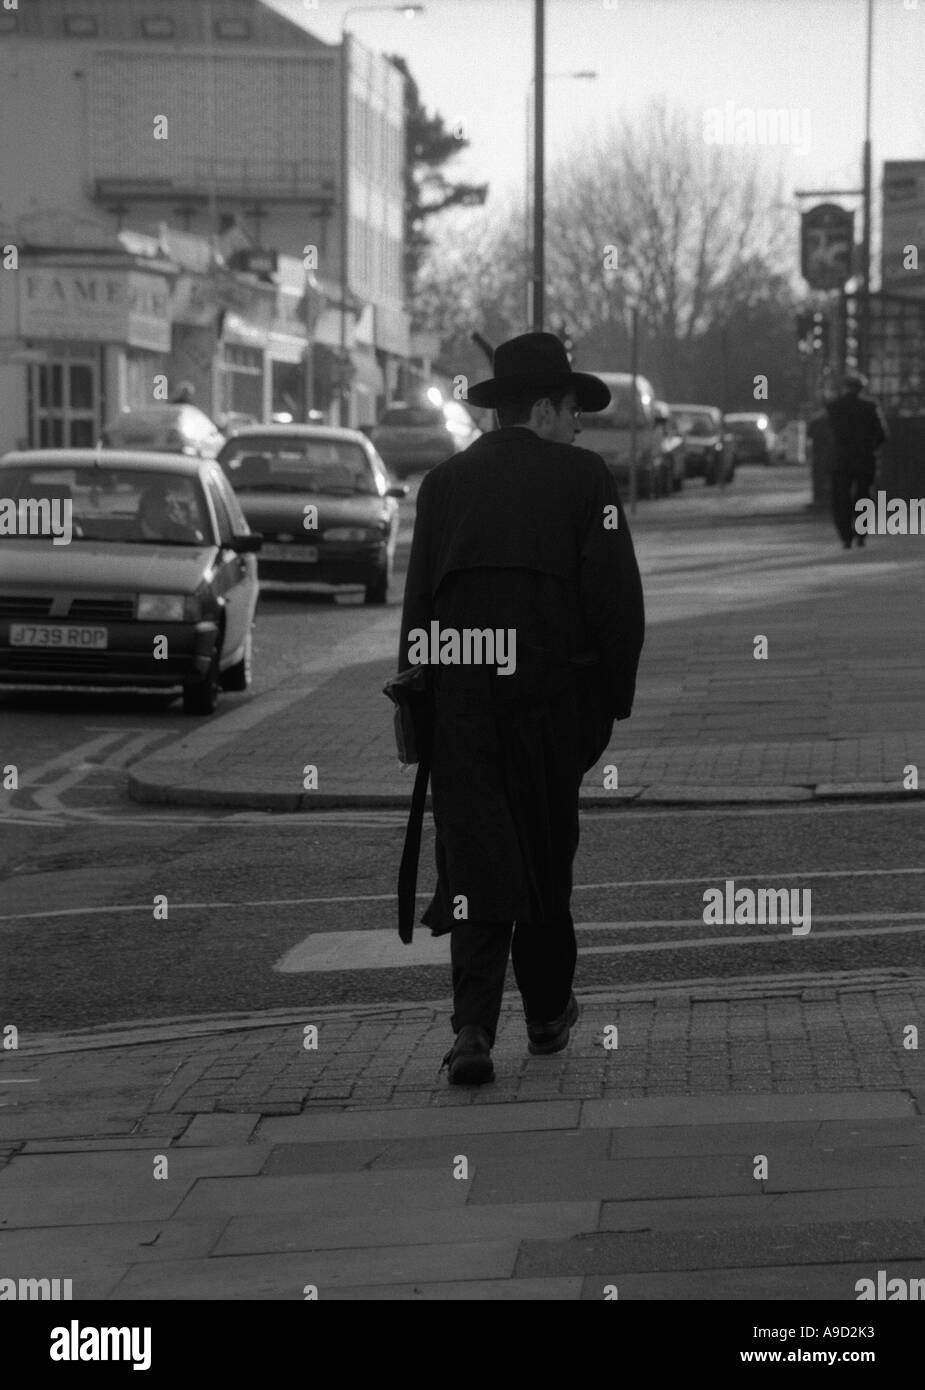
(398, 490)
(247, 545)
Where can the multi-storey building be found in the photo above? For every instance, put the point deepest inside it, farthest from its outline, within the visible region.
(172, 182)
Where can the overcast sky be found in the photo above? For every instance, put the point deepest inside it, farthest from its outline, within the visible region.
(473, 62)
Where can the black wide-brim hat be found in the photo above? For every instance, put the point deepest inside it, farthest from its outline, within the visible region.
(537, 361)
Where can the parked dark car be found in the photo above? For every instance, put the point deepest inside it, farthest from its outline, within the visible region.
(413, 438)
(609, 433)
(155, 586)
(323, 501)
(701, 427)
(167, 428)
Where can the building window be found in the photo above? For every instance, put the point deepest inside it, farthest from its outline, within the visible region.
(157, 27)
(232, 29)
(81, 26)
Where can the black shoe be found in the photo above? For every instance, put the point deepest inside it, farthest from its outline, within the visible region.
(846, 545)
(860, 540)
(469, 1059)
(544, 1038)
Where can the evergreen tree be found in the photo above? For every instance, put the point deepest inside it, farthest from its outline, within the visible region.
(428, 146)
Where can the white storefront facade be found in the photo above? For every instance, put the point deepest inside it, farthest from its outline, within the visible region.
(84, 335)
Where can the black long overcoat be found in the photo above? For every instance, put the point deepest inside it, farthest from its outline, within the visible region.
(518, 534)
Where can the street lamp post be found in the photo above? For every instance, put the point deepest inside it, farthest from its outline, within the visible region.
(409, 11)
(864, 315)
(634, 372)
(539, 163)
(549, 76)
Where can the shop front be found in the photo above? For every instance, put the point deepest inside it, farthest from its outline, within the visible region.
(93, 334)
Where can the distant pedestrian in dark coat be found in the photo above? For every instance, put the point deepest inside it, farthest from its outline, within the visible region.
(858, 431)
(522, 535)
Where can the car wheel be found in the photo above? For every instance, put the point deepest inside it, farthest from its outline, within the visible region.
(709, 477)
(238, 676)
(377, 590)
(201, 697)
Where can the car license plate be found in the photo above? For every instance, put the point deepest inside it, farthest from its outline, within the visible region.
(307, 553)
(57, 635)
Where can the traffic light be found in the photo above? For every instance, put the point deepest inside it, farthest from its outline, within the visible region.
(820, 333)
(852, 333)
(567, 340)
(804, 331)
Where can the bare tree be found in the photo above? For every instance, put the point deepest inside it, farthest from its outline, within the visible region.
(645, 213)
(682, 217)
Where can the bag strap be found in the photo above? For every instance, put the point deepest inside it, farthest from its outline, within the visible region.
(408, 869)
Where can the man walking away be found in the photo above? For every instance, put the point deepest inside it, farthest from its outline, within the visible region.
(858, 432)
(522, 535)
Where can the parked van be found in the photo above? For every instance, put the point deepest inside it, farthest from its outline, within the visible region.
(608, 433)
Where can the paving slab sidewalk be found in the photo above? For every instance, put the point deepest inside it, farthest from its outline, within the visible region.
(757, 1139)
(836, 710)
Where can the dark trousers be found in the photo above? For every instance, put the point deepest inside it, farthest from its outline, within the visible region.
(848, 489)
(543, 956)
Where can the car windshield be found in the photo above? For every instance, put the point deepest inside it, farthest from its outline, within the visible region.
(742, 426)
(697, 423)
(326, 467)
(617, 415)
(128, 505)
(414, 417)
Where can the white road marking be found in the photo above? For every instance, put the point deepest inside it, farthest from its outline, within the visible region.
(363, 950)
(382, 950)
(387, 818)
(70, 816)
(391, 897)
(66, 760)
(768, 876)
(736, 941)
(656, 923)
(48, 797)
(20, 1081)
(75, 764)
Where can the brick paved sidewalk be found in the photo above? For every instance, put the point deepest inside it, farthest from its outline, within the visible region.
(837, 709)
(339, 1166)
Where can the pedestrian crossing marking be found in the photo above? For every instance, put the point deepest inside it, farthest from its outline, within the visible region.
(339, 951)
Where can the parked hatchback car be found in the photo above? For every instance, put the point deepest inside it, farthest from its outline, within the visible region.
(413, 438)
(153, 584)
(701, 427)
(323, 501)
(167, 428)
(609, 433)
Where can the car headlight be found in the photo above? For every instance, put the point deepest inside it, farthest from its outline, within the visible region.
(351, 533)
(165, 608)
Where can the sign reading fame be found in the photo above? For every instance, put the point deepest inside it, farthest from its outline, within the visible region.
(95, 305)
